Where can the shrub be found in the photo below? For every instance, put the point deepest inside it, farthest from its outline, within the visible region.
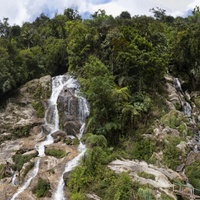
(146, 175)
(120, 188)
(38, 106)
(19, 161)
(145, 193)
(172, 154)
(21, 131)
(173, 119)
(193, 174)
(78, 196)
(96, 140)
(142, 150)
(166, 197)
(58, 153)
(42, 188)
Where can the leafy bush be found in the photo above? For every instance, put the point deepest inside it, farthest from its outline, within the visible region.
(21, 131)
(141, 150)
(146, 175)
(145, 193)
(172, 154)
(166, 197)
(42, 188)
(77, 196)
(120, 189)
(193, 173)
(173, 119)
(58, 153)
(38, 106)
(96, 140)
(19, 161)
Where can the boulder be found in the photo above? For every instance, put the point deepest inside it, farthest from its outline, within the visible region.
(72, 127)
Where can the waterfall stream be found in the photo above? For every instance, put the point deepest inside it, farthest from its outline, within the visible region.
(59, 194)
(82, 114)
(52, 121)
(186, 107)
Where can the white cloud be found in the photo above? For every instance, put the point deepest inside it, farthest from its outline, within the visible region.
(27, 10)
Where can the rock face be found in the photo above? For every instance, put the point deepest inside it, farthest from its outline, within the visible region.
(22, 126)
(68, 107)
(161, 179)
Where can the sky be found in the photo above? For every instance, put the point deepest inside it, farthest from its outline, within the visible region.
(20, 11)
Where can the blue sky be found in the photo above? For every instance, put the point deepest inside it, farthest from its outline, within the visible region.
(19, 11)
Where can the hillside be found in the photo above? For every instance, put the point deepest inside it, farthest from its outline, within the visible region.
(104, 108)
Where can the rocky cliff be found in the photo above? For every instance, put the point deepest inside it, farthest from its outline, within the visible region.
(23, 127)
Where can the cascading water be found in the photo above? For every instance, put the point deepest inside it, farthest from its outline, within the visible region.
(83, 112)
(52, 121)
(27, 182)
(59, 194)
(51, 115)
(187, 109)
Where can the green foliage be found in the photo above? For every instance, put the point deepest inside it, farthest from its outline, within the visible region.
(146, 175)
(96, 157)
(21, 131)
(120, 189)
(165, 197)
(19, 161)
(42, 188)
(197, 101)
(172, 154)
(141, 150)
(58, 153)
(145, 194)
(39, 107)
(96, 140)
(173, 119)
(82, 174)
(193, 173)
(77, 196)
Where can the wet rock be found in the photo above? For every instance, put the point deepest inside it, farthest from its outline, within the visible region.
(46, 129)
(72, 127)
(33, 153)
(59, 133)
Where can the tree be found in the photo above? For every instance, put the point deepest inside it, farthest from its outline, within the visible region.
(71, 14)
(159, 13)
(125, 15)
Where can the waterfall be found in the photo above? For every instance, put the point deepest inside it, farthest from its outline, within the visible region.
(59, 194)
(177, 85)
(83, 112)
(187, 109)
(58, 84)
(27, 182)
(52, 121)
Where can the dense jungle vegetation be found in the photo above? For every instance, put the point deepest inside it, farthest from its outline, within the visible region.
(120, 63)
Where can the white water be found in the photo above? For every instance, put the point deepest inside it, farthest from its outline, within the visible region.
(187, 109)
(83, 113)
(27, 182)
(59, 194)
(14, 178)
(177, 85)
(58, 84)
